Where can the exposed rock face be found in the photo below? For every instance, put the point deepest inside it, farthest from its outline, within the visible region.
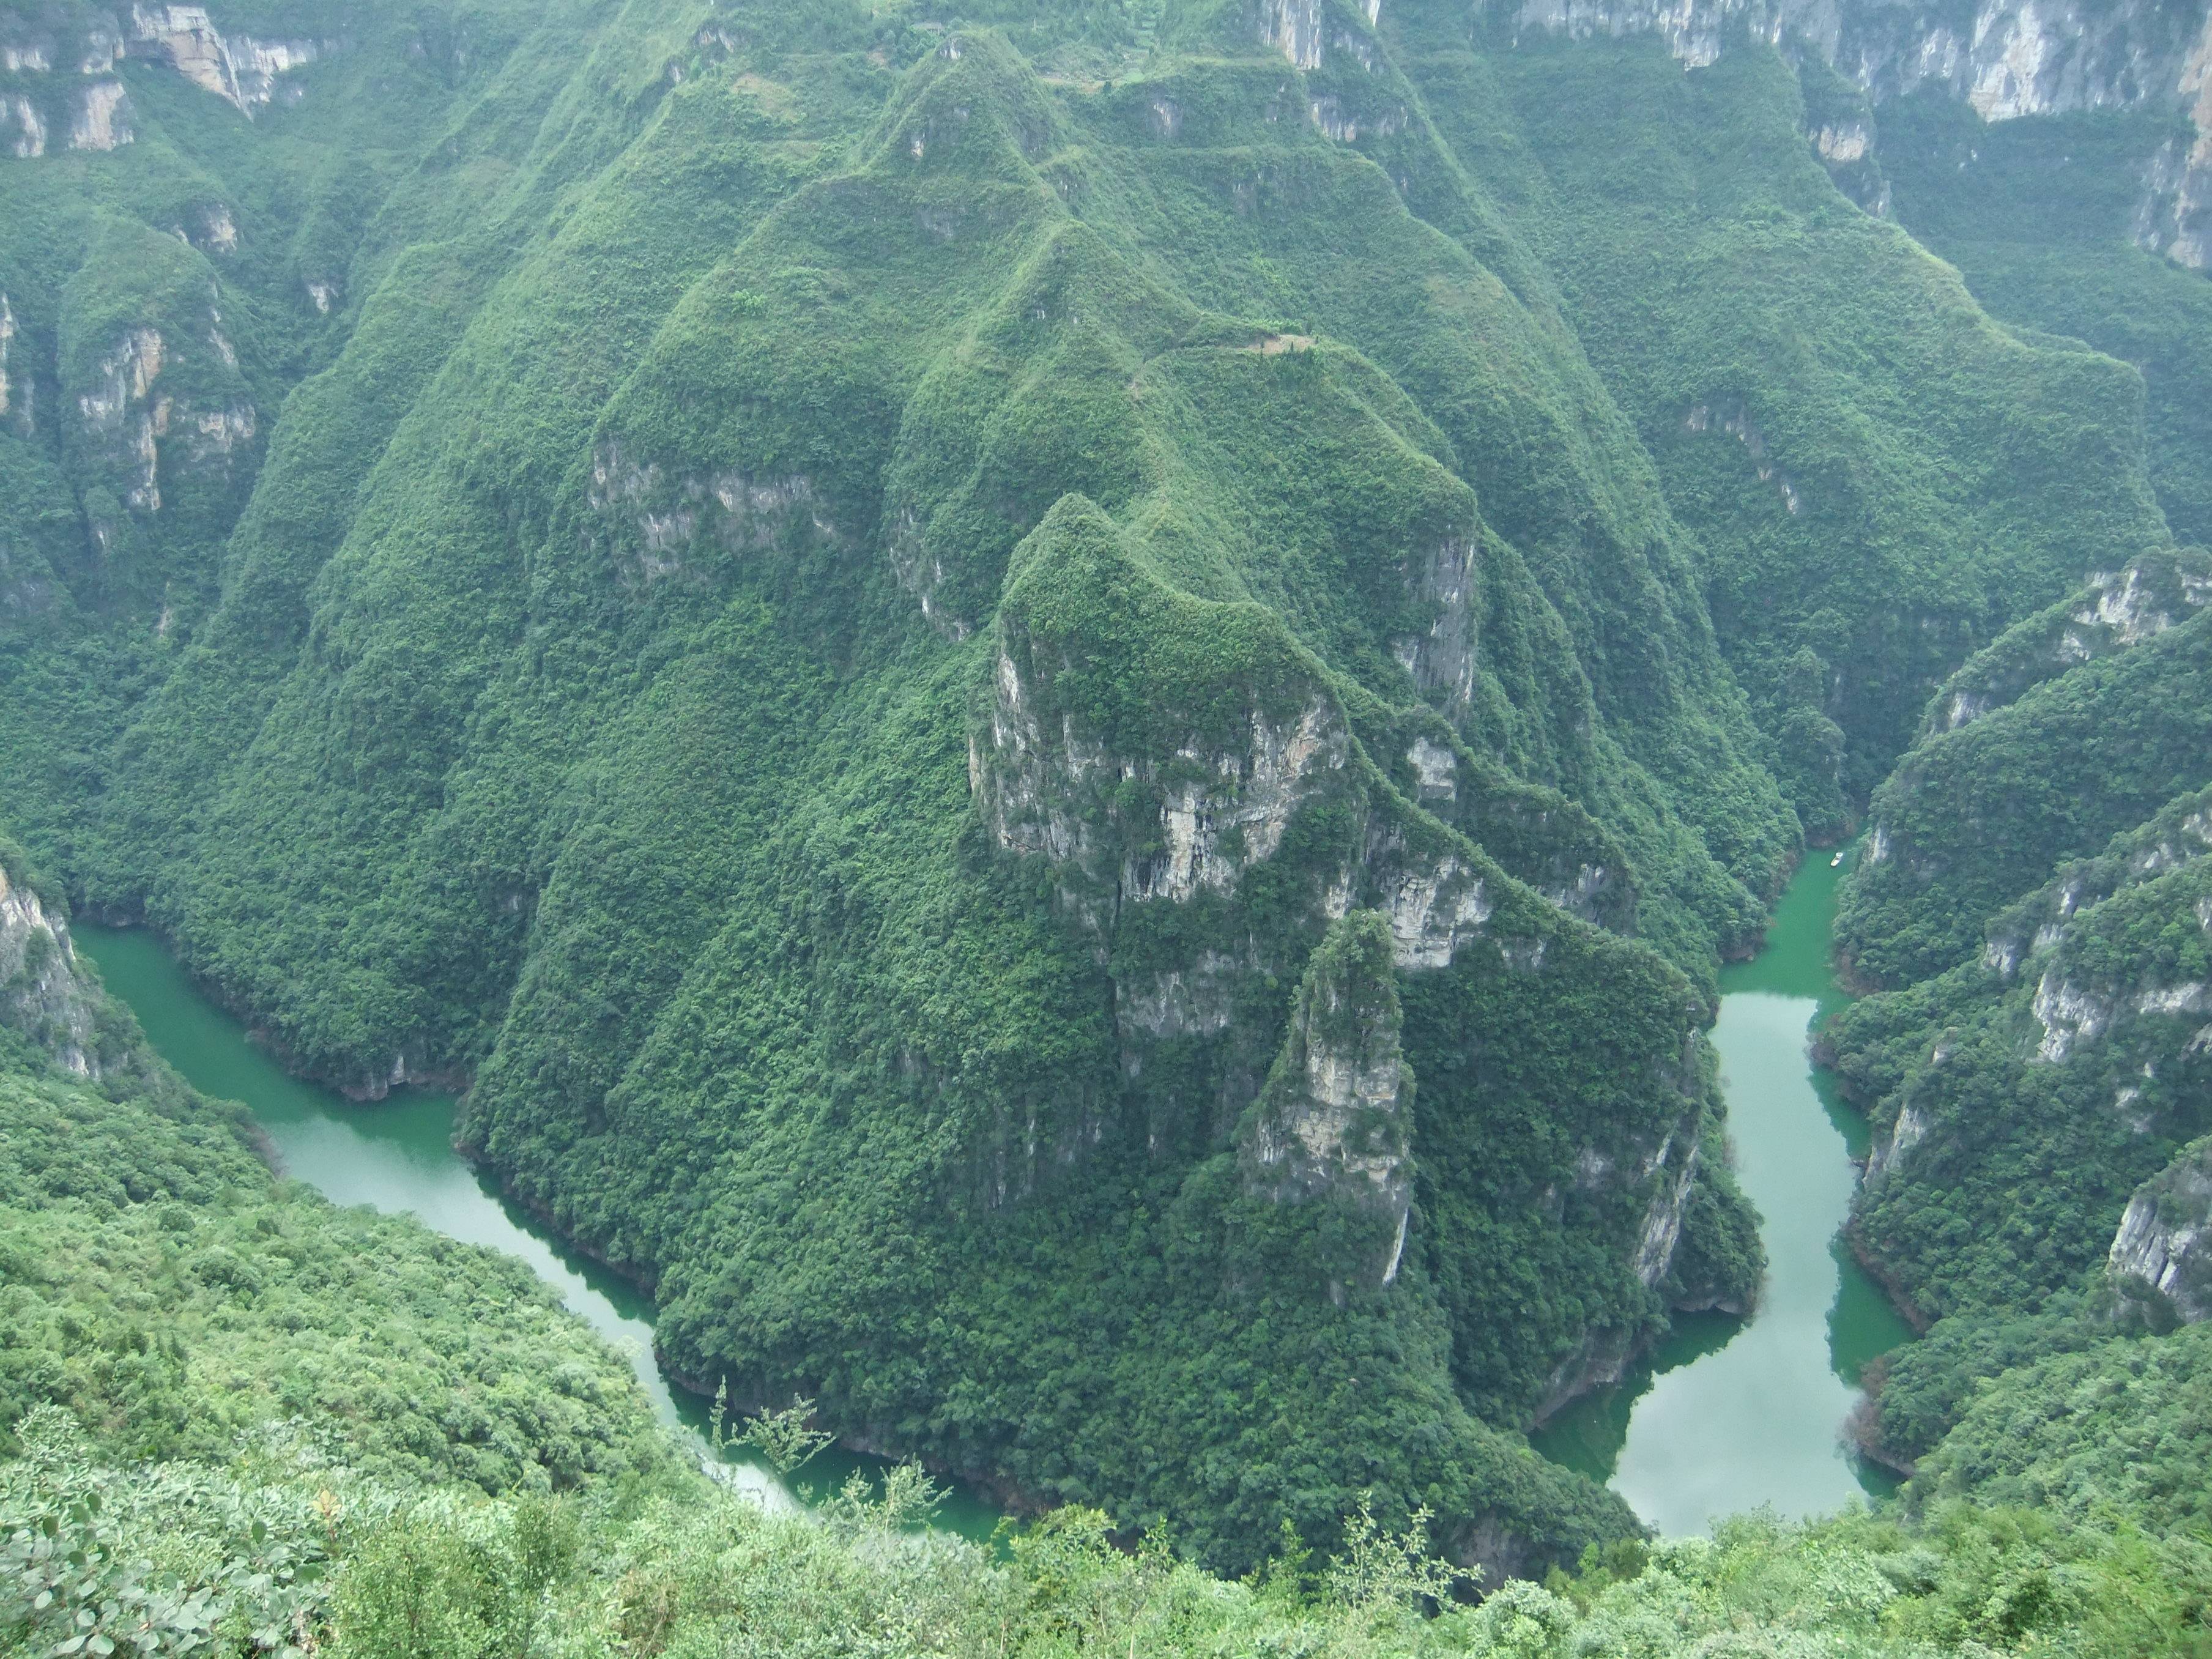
(130, 423)
(216, 436)
(1299, 29)
(20, 115)
(122, 416)
(218, 229)
(1209, 834)
(1443, 660)
(245, 72)
(1890, 1149)
(2162, 1253)
(102, 118)
(1673, 1162)
(2175, 216)
(2053, 934)
(40, 992)
(665, 523)
(14, 405)
(1434, 902)
(1293, 28)
(2010, 59)
(1044, 786)
(241, 69)
(2117, 611)
(1539, 836)
(1334, 1122)
(2074, 1016)
(1734, 421)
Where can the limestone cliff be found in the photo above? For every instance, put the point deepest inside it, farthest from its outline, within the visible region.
(1207, 814)
(2107, 683)
(2161, 1257)
(2141, 1021)
(240, 69)
(65, 70)
(2005, 59)
(1335, 1122)
(656, 524)
(130, 425)
(14, 400)
(42, 994)
(2115, 612)
(1135, 801)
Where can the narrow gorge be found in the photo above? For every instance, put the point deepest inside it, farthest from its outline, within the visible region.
(1078, 720)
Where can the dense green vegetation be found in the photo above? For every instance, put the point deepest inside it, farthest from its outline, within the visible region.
(2044, 838)
(1880, 478)
(829, 606)
(2122, 1426)
(585, 703)
(287, 1550)
(2038, 217)
(159, 1285)
(242, 1422)
(341, 1520)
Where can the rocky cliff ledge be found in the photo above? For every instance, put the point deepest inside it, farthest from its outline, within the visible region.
(2006, 59)
(1335, 1120)
(41, 993)
(2161, 1257)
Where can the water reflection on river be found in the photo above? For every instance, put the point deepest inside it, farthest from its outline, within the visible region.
(1729, 1415)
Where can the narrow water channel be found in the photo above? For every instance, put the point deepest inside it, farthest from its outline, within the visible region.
(1725, 1415)
(397, 1156)
(1731, 1414)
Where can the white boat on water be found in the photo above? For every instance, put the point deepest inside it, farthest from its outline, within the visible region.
(1836, 861)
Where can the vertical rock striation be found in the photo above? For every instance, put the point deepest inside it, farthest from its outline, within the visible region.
(41, 994)
(2162, 1254)
(1335, 1122)
(2006, 60)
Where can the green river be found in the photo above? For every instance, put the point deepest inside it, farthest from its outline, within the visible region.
(1727, 1414)
(398, 1154)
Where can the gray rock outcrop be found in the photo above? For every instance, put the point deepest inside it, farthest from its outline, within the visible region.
(1334, 1122)
(42, 994)
(2162, 1253)
(2006, 60)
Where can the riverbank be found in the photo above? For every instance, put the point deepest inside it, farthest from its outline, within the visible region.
(1727, 1414)
(397, 1155)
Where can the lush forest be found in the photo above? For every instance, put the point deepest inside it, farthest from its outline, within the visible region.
(1058, 709)
(243, 1421)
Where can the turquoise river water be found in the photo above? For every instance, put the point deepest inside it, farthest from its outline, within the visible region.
(1726, 1415)
(397, 1155)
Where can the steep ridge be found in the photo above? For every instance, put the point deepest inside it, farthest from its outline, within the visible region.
(2044, 1061)
(864, 629)
(1868, 463)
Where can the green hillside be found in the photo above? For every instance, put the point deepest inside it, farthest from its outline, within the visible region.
(1057, 711)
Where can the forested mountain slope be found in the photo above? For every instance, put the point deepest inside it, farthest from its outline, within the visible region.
(242, 1421)
(2036, 881)
(166, 1290)
(1060, 711)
